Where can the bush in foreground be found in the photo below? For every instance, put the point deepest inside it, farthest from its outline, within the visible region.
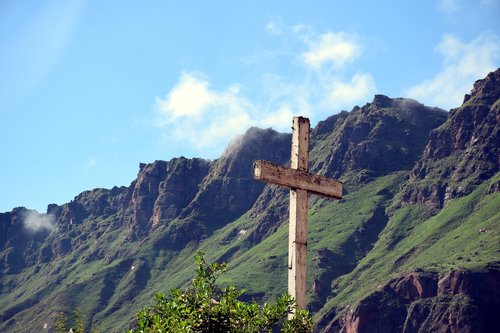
(205, 307)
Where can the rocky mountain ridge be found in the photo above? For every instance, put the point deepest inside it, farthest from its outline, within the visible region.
(471, 136)
(381, 137)
(110, 248)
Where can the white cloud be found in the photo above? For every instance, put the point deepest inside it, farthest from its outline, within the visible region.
(227, 113)
(90, 164)
(207, 118)
(463, 63)
(189, 98)
(200, 115)
(336, 49)
(360, 87)
(326, 84)
(282, 117)
(274, 27)
(34, 222)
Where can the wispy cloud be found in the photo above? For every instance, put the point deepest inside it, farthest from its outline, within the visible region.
(274, 27)
(32, 52)
(360, 87)
(206, 117)
(335, 48)
(34, 221)
(329, 55)
(463, 63)
(282, 116)
(90, 164)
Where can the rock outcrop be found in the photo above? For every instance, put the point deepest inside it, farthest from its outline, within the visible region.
(229, 188)
(462, 301)
(461, 153)
(163, 189)
(383, 136)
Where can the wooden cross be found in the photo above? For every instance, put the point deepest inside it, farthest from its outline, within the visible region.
(300, 182)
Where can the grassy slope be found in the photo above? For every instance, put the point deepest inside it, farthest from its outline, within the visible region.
(447, 241)
(110, 294)
(261, 269)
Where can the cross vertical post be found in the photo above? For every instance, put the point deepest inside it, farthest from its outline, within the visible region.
(300, 182)
(297, 236)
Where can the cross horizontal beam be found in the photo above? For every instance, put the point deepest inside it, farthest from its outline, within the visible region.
(296, 179)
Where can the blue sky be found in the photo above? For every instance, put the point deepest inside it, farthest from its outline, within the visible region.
(89, 89)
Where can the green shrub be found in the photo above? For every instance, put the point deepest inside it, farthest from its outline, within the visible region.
(205, 307)
(77, 325)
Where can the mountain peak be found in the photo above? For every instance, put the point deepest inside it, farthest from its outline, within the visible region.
(381, 137)
(462, 152)
(487, 89)
(382, 101)
(253, 138)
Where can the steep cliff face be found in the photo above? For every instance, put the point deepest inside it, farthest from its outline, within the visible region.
(179, 188)
(461, 301)
(229, 189)
(461, 153)
(19, 245)
(91, 204)
(460, 157)
(381, 137)
(163, 189)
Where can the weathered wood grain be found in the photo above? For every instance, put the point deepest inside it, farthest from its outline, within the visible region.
(297, 234)
(297, 179)
(300, 183)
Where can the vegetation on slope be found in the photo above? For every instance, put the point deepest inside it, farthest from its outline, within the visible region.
(205, 307)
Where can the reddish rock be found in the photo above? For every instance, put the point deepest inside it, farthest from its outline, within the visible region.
(484, 285)
(412, 286)
(416, 302)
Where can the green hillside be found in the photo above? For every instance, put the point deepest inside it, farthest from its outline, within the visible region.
(413, 244)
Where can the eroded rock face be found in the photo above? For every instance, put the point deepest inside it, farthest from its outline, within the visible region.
(146, 191)
(96, 203)
(179, 188)
(381, 137)
(413, 286)
(270, 211)
(229, 189)
(159, 195)
(475, 284)
(462, 301)
(162, 189)
(461, 153)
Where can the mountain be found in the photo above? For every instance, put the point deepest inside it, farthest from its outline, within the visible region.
(412, 245)
(440, 245)
(461, 153)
